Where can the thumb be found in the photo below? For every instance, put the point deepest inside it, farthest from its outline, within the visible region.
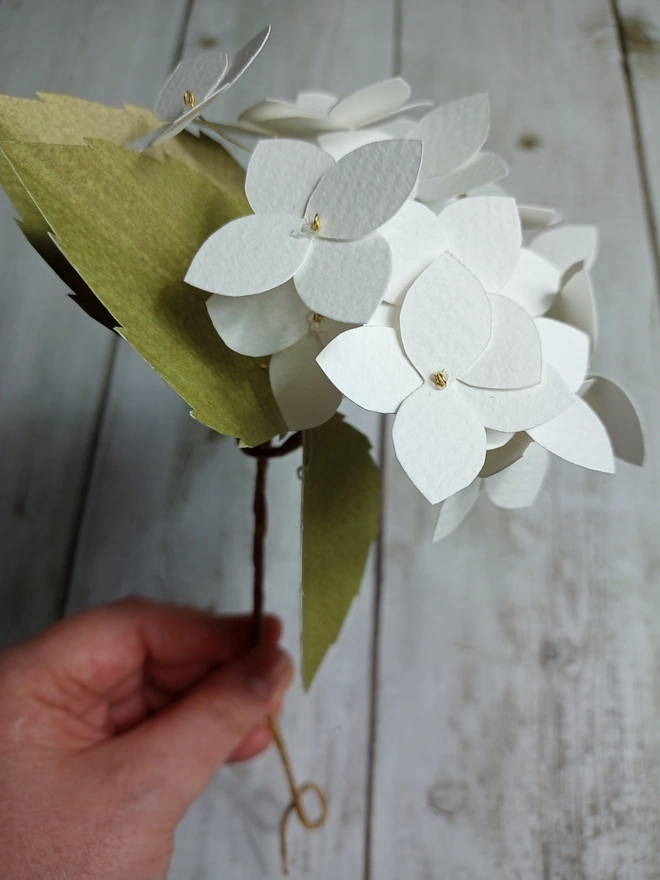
(182, 747)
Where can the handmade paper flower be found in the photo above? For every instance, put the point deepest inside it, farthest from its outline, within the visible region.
(483, 233)
(313, 113)
(278, 323)
(467, 361)
(196, 83)
(315, 222)
(452, 135)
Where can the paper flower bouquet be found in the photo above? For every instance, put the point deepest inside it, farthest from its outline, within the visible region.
(367, 253)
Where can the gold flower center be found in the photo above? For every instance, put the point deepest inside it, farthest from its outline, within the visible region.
(189, 99)
(440, 379)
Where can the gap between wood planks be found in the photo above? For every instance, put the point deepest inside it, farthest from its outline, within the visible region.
(90, 463)
(641, 156)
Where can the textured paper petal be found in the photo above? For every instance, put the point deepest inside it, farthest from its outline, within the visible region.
(484, 234)
(303, 392)
(249, 256)
(365, 189)
(297, 126)
(452, 134)
(519, 485)
(266, 111)
(445, 319)
(484, 169)
(497, 439)
(369, 367)
(162, 135)
(338, 143)
(455, 510)
(614, 408)
(575, 304)
(577, 435)
(534, 217)
(566, 349)
(386, 315)
(534, 284)
(439, 442)
(282, 175)
(199, 76)
(565, 246)
(328, 329)
(316, 103)
(504, 456)
(416, 238)
(242, 60)
(512, 358)
(262, 324)
(520, 409)
(371, 103)
(345, 280)
(340, 519)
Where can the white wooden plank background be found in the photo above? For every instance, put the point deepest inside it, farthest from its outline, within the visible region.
(517, 723)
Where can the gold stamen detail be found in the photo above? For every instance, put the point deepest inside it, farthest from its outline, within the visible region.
(189, 99)
(440, 378)
(316, 223)
(316, 317)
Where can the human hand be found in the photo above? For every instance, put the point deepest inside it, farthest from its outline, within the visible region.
(113, 722)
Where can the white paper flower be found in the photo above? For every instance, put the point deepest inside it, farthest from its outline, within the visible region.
(467, 361)
(313, 113)
(452, 135)
(194, 84)
(278, 323)
(315, 222)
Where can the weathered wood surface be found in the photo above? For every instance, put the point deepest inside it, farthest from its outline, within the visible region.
(518, 729)
(518, 718)
(53, 360)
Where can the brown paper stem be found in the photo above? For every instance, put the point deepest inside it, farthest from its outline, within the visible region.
(263, 454)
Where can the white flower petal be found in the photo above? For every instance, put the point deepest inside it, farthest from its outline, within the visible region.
(371, 103)
(439, 441)
(298, 126)
(452, 134)
(519, 485)
(575, 304)
(483, 170)
(328, 329)
(365, 189)
(566, 349)
(455, 510)
(512, 358)
(303, 392)
(577, 435)
(565, 246)
(174, 128)
(416, 238)
(369, 367)
(345, 280)
(484, 234)
(535, 217)
(242, 60)
(504, 456)
(282, 175)
(199, 76)
(497, 439)
(520, 409)
(445, 319)
(269, 110)
(616, 411)
(249, 255)
(534, 284)
(317, 103)
(397, 128)
(339, 143)
(386, 315)
(261, 324)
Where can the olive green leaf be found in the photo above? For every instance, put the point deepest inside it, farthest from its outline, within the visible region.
(131, 225)
(340, 519)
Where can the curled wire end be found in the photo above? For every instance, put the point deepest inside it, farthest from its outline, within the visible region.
(296, 806)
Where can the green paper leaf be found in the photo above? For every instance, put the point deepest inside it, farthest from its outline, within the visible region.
(131, 225)
(61, 119)
(340, 519)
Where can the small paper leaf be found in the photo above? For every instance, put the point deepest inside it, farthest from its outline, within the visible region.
(132, 259)
(340, 519)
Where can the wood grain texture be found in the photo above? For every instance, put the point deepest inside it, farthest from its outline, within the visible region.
(53, 359)
(518, 731)
(169, 508)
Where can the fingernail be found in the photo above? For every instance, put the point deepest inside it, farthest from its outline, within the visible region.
(271, 672)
